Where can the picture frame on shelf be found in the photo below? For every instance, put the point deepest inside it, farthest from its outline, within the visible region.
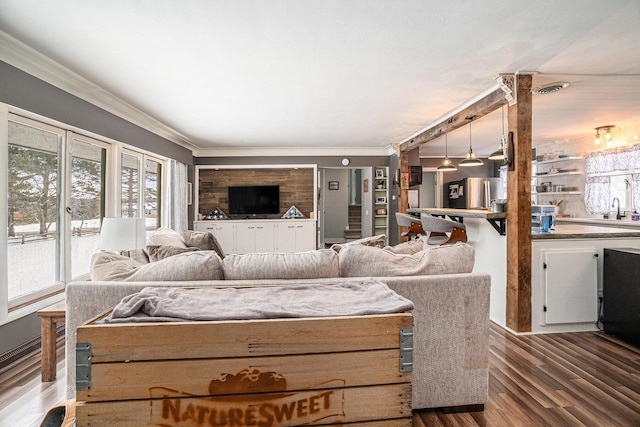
(379, 173)
(381, 200)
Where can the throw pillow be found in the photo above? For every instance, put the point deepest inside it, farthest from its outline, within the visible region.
(204, 240)
(139, 255)
(300, 265)
(366, 261)
(109, 266)
(166, 237)
(378, 241)
(156, 253)
(198, 265)
(411, 247)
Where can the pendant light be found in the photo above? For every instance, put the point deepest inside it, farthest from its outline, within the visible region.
(447, 164)
(471, 159)
(499, 153)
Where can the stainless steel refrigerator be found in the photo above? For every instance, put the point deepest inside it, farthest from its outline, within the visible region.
(475, 193)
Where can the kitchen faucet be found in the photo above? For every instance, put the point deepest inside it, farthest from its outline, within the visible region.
(613, 205)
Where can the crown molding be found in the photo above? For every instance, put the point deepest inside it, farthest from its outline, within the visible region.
(27, 59)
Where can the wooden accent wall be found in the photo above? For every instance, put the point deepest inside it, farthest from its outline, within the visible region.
(296, 187)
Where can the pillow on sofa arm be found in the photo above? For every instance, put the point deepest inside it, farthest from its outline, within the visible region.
(359, 261)
(204, 240)
(156, 253)
(192, 265)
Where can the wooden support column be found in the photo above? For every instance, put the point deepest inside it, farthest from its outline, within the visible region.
(403, 164)
(519, 209)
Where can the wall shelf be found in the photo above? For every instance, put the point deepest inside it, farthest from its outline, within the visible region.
(549, 193)
(551, 175)
(381, 200)
(559, 159)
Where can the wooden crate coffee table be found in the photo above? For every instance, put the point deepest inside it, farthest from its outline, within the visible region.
(284, 372)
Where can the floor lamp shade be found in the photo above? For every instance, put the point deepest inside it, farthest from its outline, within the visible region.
(120, 234)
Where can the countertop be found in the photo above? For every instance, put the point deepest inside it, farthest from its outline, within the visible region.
(623, 223)
(566, 228)
(579, 231)
(463, 213)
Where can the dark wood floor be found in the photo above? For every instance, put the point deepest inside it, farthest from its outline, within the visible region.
(578, 379)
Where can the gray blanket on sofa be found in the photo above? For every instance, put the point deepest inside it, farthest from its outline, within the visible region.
(159, 304)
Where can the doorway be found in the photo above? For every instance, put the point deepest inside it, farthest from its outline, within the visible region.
(344, 206)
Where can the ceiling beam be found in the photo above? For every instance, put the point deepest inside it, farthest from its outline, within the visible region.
(480, 108)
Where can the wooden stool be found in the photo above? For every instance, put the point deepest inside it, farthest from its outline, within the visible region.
(49, 316)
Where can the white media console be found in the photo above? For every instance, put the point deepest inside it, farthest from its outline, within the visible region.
(262, 235)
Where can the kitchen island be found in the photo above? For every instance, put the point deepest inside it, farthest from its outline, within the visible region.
(566, 267)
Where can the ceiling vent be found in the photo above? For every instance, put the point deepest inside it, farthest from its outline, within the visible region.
(550, 88)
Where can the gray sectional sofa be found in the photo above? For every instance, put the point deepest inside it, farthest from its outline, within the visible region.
(451, 314)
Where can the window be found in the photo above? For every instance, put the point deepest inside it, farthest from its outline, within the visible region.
(34, 196)
(57, 187)
(613, 174)
(152, 193)
(130, 174)
(139, 195)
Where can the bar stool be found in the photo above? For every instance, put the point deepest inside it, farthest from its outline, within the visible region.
(439, 227)
(414, 224)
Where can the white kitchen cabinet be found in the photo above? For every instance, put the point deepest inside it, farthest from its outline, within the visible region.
(276, 235)
(571, 285)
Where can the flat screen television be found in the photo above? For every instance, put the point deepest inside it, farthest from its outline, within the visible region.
(254, 200)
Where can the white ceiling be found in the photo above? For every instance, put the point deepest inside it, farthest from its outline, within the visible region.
(227, 76)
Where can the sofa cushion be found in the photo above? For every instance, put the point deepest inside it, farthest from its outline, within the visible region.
(156, 253)
(193, 265)
(378, 241)
(166, 237)
(411, 247)
(300, 265)
(204, 240)
(362, 261)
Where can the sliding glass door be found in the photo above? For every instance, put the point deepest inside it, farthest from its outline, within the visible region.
(58, 186)
(34, 191)
(86, 203)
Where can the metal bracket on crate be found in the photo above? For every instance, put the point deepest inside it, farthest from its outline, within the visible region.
(83, 366)
(406, 350)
